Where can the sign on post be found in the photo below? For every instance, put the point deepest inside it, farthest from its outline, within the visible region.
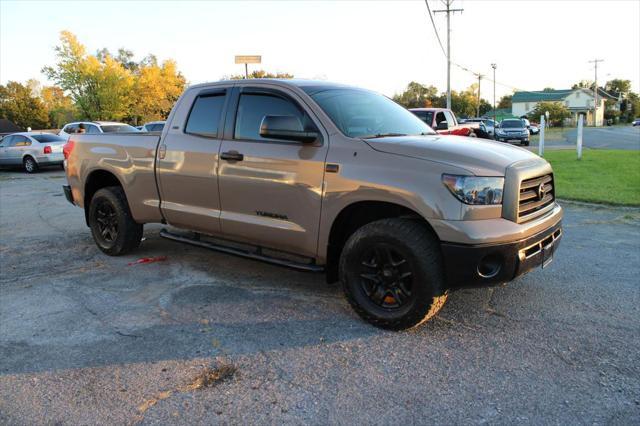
(248, 59)
(541, 143)
(579, 139)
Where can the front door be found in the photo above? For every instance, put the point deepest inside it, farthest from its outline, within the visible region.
(187, 161)
(271, 190)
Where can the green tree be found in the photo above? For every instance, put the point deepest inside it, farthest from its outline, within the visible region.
(19, 105)
(505, 102)
(418, 95)
(617, 85)
(557, 112)
(584, 84)
(99, 85)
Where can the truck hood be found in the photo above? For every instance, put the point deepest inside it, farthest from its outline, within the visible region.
(478, 156)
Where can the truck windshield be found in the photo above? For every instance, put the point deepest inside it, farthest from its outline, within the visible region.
(363, 114)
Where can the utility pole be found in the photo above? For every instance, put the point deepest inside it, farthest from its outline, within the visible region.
(448, 11)
(478, 106)
(595, 92)
(494, 94)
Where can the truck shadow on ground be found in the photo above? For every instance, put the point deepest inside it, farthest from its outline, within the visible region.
(197, 303)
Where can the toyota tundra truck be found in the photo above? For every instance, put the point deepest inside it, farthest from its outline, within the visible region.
(327, 178)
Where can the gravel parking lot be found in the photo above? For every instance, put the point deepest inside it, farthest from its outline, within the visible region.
(205, 338)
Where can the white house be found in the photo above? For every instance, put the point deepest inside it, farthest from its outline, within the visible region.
(577, 101)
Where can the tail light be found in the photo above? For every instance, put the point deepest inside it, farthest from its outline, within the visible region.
(67, 148)
(47, 149)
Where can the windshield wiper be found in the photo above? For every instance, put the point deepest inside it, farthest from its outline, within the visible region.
(383, 135)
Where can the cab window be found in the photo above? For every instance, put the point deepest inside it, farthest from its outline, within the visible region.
(252, 108)
(204, 118)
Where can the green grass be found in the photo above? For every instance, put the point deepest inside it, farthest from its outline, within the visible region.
(602, 176)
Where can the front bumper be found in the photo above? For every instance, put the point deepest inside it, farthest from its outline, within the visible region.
(511, 138)
(490, 264)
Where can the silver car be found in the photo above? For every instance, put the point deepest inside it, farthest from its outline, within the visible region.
(153, 126)
(31, 150)
(95, 127)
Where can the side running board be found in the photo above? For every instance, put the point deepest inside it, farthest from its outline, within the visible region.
(256, 254)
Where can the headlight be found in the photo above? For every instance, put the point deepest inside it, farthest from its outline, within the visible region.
(475, 190)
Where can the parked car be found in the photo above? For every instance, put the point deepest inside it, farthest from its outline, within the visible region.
(444, 121)
(636, 122)
(489, 124)
(31, 150)
(534, 129)
(93, 127)
(153, 126)
(323, 177)
(513, 130)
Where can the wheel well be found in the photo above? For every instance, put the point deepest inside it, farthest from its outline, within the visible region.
(97, 180)
(353, 217)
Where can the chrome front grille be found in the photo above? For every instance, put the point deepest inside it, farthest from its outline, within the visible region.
(536, 197)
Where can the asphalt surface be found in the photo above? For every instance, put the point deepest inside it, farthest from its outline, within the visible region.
(614, 137)
(89, 339)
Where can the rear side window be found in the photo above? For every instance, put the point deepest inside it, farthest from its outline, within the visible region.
(426, 116)
(46, 138)
(253, 107)
(91, 129)
(204, 118)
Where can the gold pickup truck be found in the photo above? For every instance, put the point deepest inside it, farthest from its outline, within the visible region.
(324, 177)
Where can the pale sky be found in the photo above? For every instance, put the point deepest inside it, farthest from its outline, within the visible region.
(380, 45)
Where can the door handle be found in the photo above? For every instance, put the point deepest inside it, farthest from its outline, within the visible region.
(232, 156)
(163, 151)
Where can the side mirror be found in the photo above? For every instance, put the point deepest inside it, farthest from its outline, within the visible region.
(443, 125)
(286, 127)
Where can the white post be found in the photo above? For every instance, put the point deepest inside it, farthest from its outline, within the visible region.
(579, 141)
(541, 143)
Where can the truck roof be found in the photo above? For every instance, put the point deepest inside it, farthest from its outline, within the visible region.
(429, 109)
(308, 86)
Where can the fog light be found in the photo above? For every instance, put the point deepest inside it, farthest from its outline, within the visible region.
(490, 266)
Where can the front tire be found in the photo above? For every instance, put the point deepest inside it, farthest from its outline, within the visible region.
(112, 226)
(392, 275)
(30, 165)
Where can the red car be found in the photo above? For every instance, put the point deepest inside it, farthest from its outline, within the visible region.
(444, 121)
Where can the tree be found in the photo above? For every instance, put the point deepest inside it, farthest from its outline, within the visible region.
(260, 74)
(557, 112)
(59, 106)
(156, 89)
(548, 89)
(584, 84)
(618, 86)
(18, 105)
(505, 102)
(100, 86)
(417, 95)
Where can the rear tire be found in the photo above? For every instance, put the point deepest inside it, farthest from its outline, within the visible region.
(112, 226)
(392, 275)
(30, 165)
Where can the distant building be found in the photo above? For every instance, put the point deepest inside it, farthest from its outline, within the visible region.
(577, 101)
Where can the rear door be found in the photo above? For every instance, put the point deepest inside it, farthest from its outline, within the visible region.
(187, 161)
(271, 190)
(18, 147)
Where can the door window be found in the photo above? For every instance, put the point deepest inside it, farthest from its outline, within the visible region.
(90, 128)
(204, 118)
(252, 108)
(440, 118)
(6, 141)
(20, 141)
(70, 129)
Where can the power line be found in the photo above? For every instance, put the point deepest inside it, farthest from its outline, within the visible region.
(435, 30)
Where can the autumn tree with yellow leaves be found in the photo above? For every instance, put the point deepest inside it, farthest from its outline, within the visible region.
(114, 87)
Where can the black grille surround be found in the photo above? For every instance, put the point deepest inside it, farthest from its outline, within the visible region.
(536, 197)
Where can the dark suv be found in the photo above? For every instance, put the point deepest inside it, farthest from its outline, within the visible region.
(513, 130)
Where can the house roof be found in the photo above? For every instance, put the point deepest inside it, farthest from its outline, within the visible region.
(553, 95)
(550, 95)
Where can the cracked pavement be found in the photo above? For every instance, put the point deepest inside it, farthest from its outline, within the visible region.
(88, 339)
